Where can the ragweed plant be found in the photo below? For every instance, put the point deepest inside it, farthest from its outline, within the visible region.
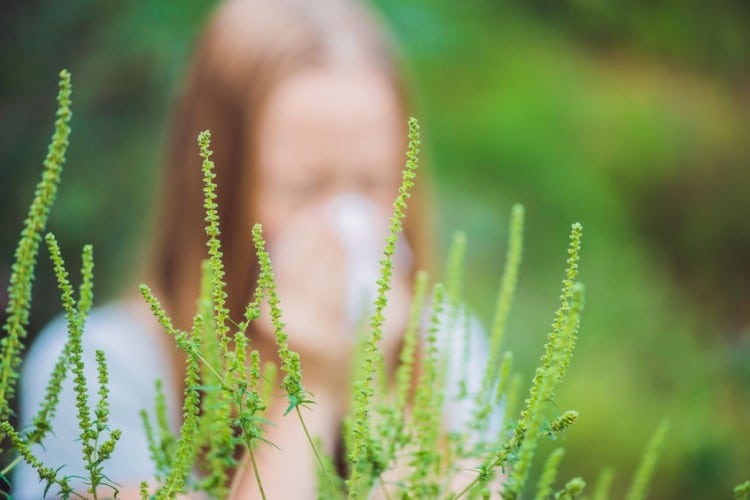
(643, 474)
(424, 479)
(544, 487)
(603, 483)
(94, 454)
(22, 272)
(362, 444)
(395, 435)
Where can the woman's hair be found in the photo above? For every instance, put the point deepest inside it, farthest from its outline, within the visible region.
(248, 47)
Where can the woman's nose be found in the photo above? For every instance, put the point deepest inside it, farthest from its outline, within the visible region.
(343, 185)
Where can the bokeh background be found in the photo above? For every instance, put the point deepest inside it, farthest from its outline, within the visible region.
(630, 117)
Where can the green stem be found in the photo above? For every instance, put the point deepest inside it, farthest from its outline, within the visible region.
(11, 465)
(208, 365)
(499, 460)
(467, 489)
(255, 470)
(315, 450)
(384, 489)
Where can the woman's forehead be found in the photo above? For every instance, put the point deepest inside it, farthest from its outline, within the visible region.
(348, 116)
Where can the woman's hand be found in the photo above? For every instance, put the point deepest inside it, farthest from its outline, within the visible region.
(318, 273)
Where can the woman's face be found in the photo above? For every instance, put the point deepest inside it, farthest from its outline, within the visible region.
(329, 156)
(327, 132)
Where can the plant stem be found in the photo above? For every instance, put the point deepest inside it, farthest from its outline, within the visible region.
(385, 490)
(208, 365)
(11, 465)
(467, 488)
(499, 460)
(255, 470)
(315, 450)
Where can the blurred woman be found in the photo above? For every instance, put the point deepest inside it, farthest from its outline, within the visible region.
(308, 117)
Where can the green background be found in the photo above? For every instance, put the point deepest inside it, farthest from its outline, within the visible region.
(630, 117)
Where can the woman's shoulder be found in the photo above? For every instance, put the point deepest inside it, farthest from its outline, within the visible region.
(135, 350)
(119, 328)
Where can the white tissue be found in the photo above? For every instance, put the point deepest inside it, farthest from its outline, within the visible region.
(361, 231)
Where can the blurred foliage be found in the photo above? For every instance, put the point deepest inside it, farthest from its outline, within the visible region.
(630, 118)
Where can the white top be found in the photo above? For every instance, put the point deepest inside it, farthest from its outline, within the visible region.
(136, 358)
(458, 413)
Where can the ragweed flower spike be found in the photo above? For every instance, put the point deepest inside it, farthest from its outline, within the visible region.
(561, 318)
(507, 291)
(219, 440)
(160, 446)
(76, 349)
(544, 486)
(424, 482)
(164, 320)
(407, 357)
(363, 387)
(454, 272)
(603, 483)
(571, 490)
(561, 423)
(483, 407)
(492, 375)
(22, 271)
(394, 432)
(546, 379)
(214, 435)
(218, 292)
(185, 450)
(453, 283)
(290, 365)
(209, 342)
(48, 408)
(639, 486)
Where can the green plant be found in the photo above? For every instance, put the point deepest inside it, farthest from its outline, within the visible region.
(395, 440)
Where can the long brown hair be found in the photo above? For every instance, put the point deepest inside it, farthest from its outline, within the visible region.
(248, 47)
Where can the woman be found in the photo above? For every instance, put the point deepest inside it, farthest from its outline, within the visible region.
(308, 118)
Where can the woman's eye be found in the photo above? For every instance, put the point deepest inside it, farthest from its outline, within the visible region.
(299, 189)
(303, 190)
(373, 185)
